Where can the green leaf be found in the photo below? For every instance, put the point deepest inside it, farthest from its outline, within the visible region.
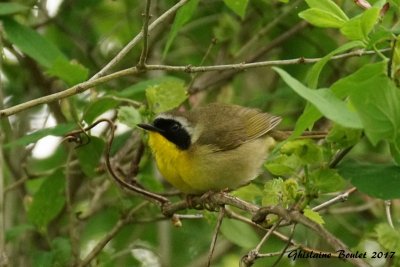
(239, 233)
(291, 190)
(183, 15)
(283, 165)
(360, 78)
(62, 250)
(352, 29)
(17, 231)
(129, 116)
(12, 8)
(328, 6)
(343, 137)
(325, 101)
(380, 181)
(368, 19)
(237, 6)
(54, 161)
(395, 149)
(98, 107)
(313, 74)
(250, 192)
(326, 180)
(395, 64)
(120, 141)
(32, 43)
(388, 237)
(359, 27)
(322, 18)
(279, 192)
(89, 155)
(165, 96)
(58, 130)
(379, 35)
(42, 258)
(227, 28)
(70, 72)
(377, 101)
(273, 192)
(305, 150)
(309, 116)
(48, 201)
(313, 215)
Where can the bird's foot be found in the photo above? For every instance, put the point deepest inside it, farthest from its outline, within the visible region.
(204, 201)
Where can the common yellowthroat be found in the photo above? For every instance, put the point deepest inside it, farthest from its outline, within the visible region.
(210, 148)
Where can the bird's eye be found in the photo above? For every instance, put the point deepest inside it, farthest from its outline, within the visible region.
(175, 127)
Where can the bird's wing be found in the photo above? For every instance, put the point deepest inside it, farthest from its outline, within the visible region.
(239, 125)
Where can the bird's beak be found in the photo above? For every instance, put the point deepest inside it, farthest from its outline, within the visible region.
(149, 127)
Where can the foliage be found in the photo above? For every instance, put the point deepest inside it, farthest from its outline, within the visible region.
(335, 70)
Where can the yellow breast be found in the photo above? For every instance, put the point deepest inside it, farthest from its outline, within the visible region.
(170, 160)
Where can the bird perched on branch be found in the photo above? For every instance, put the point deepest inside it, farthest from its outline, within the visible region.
(210, 148)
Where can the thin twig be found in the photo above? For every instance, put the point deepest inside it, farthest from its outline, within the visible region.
(145, 33)
(16, 184)
(388, 203)
(263, 31)
(189, 69)
(250, 257)
(286, 247)
(221, 249)
(212, 44)
(76, 89)
(339, 156)
(136, 40)
(339, 198)
(269, 63)
(95, 202)
(215, 235)
(267, 235)
(124, 220)
(296, 216)
(153, 197)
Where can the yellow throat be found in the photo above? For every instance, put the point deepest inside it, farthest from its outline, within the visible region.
(169, 158)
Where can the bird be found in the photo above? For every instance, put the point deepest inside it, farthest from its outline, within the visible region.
(214, 147)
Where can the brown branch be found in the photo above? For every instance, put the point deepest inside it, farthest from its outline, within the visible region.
(339, 198)
(189, 69)
(215, 235)
(76, 89)
(249, 258)
(339, 156)
(296, 216)
(233, 215)
(136, 40)
(287, 245)
(284, 135)
(153, 197)
(259, 215)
